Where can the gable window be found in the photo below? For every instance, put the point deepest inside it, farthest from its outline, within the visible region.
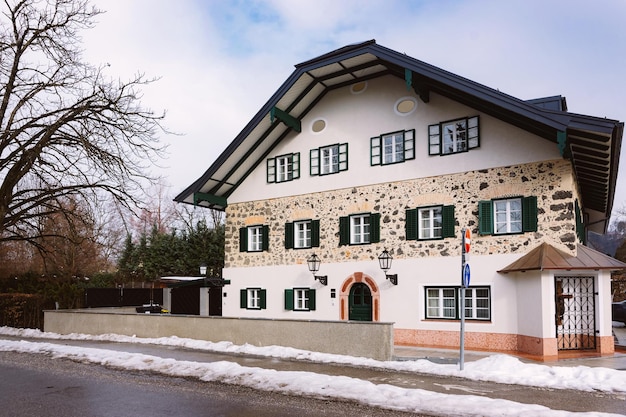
(453, 136)
(507, 216)
(435, 222)
(359, 229)
(329, 159)
(254, 238)
(392, 148)
(444, 303)
(302, 234)
(252, 298)
(283, 168)
(300, 299)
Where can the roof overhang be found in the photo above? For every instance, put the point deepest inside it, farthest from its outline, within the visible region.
(546, 257)
(593, 144)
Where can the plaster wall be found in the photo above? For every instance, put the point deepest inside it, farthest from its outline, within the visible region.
(367, 339)
(355, 118)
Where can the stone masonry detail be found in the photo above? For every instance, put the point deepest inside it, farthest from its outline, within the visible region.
(550, 181)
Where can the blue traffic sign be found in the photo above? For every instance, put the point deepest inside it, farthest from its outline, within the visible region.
(466, 276)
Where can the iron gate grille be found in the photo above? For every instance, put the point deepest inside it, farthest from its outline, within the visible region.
(575, 313)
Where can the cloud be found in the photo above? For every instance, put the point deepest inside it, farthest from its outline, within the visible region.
(219, 62)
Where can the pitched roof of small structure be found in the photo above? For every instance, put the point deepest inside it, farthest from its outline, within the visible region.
(547, 257)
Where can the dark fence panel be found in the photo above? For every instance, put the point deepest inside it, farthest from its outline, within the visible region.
(186, 300)
(122, 297)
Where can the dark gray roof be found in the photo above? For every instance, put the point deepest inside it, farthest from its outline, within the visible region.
(592, 143)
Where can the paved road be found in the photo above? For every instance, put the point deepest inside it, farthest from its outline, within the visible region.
(555, 399)
(35, 385)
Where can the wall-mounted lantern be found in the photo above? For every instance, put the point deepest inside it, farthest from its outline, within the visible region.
(314, 266)
(384, 260)
(203, 268)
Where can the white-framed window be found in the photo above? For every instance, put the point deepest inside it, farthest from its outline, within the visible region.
(440, 303)
(430, 222)
(507, 216)
(302, 234)
(301, 299)
(444, 303)
(283, 168)
(359, 229)
(253, 298)
(453, 136)
(302, 237)
(477, 303)
(255, 238)
(392, 148)
(329, 159)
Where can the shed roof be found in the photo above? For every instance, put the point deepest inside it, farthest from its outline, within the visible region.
(592, 143)
(547, 257)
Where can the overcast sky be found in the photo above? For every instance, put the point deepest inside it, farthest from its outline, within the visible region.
(219, 61)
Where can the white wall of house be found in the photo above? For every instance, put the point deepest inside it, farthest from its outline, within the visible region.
(356, 118)
(404, 304)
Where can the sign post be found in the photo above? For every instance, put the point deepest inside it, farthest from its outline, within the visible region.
(465, 281)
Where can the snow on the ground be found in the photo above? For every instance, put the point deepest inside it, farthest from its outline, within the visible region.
(497, 368)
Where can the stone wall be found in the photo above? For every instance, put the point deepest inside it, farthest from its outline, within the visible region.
(550, 181)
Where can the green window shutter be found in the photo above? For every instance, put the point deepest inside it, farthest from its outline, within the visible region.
(265, 238)
(374, 227)
(296, 165)
(243, 239)
(375, 151)
(262, 299)
(289, 299)
(312, 299)
(343, 157)
(485, 217)
(409, 144)
(448, 220)
(344, 231)
(314, 167)
(410, 224)
(271, 170)
(529, 214)
(288, 235)
(434, 142)
(473, 138)
(315, 233)
(243, 298)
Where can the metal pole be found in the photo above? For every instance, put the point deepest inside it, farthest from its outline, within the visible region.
(462, 344)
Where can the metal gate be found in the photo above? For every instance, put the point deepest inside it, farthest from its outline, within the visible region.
(575, 313)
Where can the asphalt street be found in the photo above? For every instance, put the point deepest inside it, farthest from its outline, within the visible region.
(568, 400)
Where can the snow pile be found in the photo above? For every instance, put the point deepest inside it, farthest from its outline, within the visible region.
(497, 368)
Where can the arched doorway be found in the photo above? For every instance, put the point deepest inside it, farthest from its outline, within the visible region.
(360, 303)
(350, 289)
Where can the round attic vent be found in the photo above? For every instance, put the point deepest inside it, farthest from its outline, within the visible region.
(359, 87)
(318, 125)
(405, 106)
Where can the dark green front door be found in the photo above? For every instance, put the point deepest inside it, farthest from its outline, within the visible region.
(360, 303)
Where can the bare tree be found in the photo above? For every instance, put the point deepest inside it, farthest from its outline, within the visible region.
(67, 130)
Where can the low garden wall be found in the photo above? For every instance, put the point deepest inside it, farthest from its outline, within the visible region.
(366, 339)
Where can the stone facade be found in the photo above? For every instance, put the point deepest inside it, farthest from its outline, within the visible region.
(551, 182)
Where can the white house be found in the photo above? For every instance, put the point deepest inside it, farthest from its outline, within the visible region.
(365, 149)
